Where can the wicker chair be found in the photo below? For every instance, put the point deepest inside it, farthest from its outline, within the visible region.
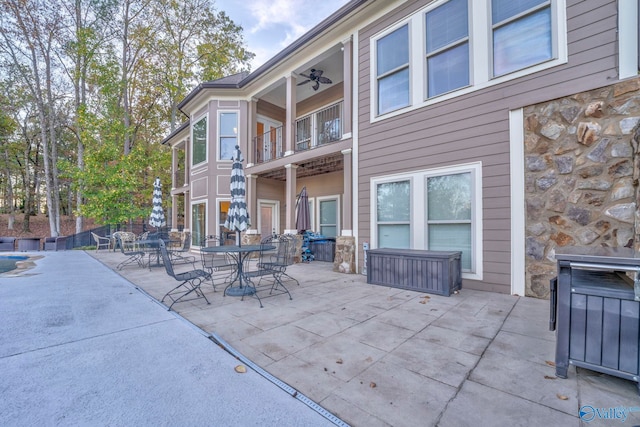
(101, 242)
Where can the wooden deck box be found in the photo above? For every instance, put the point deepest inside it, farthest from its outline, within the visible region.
(596, 311)
(323, 250)
(436, 272)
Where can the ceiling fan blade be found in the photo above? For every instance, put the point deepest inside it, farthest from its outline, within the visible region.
(316, 85)
(304, 82)
(324, 80)
(305, 76)
(317, 73)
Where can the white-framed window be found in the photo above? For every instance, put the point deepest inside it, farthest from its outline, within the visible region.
(199, 146)
(454, 47)
(198, 222)
(522, 34)
(435, 209)
(392, 70)
(628, 39)
(328, 215)
(447, 47)
(227, 134)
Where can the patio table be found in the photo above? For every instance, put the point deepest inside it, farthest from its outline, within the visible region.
(239, 253)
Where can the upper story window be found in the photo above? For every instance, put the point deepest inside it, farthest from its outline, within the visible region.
(447, 43)
(199, 141)
(228, 134)
(522, 34)
(453, 47)
(392, 68)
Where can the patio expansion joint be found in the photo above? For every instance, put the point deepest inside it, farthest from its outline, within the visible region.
(106, 334)
(466, 378)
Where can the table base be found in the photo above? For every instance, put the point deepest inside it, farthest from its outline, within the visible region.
(237, 291)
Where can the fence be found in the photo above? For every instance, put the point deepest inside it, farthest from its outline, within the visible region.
(84, 238)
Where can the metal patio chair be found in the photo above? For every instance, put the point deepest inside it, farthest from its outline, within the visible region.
(221, 267)
(133, 256)
(180, 255)
(272, 266)
(189, 280)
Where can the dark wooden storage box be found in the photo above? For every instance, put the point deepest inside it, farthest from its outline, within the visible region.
(436, 272)
(323, 250)
(596, 314)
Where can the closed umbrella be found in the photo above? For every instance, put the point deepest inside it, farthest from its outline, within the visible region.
(237, 216)
(303, 217)
(157, 218)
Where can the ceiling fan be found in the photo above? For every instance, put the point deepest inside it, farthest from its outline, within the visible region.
(316, 77)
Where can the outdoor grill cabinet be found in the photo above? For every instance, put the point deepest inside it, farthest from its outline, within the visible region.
(436, 272)
(595, 310)
(323, 250)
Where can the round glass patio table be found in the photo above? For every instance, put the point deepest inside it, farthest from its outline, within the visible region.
(239, 253)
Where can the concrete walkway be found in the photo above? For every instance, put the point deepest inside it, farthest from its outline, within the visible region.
(377, 356)
(79, 345)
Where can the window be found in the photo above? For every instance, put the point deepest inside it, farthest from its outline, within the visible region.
(199, 141)
(392, 70)
(328, 211)
(447, 31)
(453, 47)
(228, 134)
(393, 214)
(449, 200)
(438, 209)
(198, 223)
(521, 34)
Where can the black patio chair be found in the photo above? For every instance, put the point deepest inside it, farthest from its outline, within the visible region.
(221, 267)
(272, 265)
(180, 255)
(133, 256)
(189, 280)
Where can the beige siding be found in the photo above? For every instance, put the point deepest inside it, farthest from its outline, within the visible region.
(475, 126)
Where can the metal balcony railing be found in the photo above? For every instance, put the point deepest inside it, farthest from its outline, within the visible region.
(313, 130)
(269, 145)
(319, 128)
(178, 179)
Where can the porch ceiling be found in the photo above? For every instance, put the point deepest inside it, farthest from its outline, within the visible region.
(309, 168)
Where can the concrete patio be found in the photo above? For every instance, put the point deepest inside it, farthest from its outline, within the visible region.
(379, 356)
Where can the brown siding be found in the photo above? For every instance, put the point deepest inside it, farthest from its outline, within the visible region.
(270, 110)
(475, 126)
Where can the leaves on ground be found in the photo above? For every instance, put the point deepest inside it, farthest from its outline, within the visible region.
(425, 299)
(339, 361)
(548, 377)
(550, 363)
(372, 384)
(241, 369)
(562, 396)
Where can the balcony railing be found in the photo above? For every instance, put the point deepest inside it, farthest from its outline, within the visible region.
(269, 145)
(314, 130)
(322, 127)
(178, 179)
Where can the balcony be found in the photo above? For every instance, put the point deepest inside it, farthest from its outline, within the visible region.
(314, 130)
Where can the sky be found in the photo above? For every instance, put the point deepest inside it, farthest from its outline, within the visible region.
(271, 25)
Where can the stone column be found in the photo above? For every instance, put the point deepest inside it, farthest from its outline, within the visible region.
(345, 260)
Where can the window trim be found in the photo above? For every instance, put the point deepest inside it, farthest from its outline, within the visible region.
(204, 202)
(418, 222)
(321, 199)
(481, 56)
(375, 78)
(219, 134)
(628, 39)
(206, 141)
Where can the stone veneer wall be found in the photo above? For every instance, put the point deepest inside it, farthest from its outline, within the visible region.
(581, 176)
(344, 261)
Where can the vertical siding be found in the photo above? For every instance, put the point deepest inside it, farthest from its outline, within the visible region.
(475, 126)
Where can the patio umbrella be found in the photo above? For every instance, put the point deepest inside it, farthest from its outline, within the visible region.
(157, 213)
(237, 216)
(303, 218)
